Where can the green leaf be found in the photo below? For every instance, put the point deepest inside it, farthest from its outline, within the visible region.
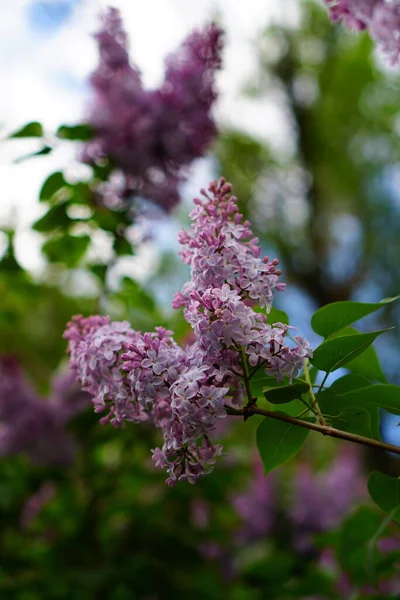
(99, 270)
(286, 393)
(348, 383)
(335, 316)
(67, 249)
(277, 316)
(55, 217)
(352, 543)
(81, 133)
(355, 417)
(53, 183)
(368, 363)
(385, 492)
(278, 441)
(42, 152)
(339, 351)
(122, 246)
(384, 395)
(32, 129)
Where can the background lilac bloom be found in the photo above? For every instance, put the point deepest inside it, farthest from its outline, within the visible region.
(380, 17)
(33, 425)
(317, 500)
(153, 135)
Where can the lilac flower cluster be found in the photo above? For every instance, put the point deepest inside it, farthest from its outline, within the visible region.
(318, 500)
(34, 425)
(380, 17)
(184, 391)
(152, 135)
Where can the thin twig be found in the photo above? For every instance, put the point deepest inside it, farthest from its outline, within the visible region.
(324, 429)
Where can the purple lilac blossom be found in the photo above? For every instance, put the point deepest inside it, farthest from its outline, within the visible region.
(33, 425)
(152, 136)
(318, 501)
(380, 17)
(322, 499)
(184, 390)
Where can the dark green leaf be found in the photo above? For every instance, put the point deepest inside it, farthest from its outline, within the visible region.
(53, 183)
(32, 129)
(368, 363)
(287, 393)
(66, 249)
(385, 492)
(81, 132)
(351, 415)
(99, 270)
(352, 544)
(339, 351)
(335, 316)
(42, 152)
(55, 217)
(348, 383)
(354, 419)
(278, 441)
(122, 246)
(384, 395)
(277, 316)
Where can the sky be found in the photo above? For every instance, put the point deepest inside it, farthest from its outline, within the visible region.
(47, 53)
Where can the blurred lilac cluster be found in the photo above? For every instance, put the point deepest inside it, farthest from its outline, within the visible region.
(314, 501)
(380, 17)
(152, 135)
(33, 425)
(184, 391)
(317, 500)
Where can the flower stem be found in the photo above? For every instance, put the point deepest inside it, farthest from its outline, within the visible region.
(314, 401)
(251, 400)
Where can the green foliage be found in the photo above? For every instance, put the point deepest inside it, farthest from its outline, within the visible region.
(384, 395)
(353, 540)
(333, 317)
(67, 249)
(81, 132)
(385, 492)
(53, 183)
(287, 393)
(32, 129)
(278, 441)
(338, 352)
(42, 152)
(55, 217)
(277, 316)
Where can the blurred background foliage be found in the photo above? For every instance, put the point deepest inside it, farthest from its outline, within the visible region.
(105, 525)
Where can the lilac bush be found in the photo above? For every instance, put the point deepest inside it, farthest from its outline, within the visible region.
(380, 17)
(184, 391)
(152, 135)
(33, 425)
